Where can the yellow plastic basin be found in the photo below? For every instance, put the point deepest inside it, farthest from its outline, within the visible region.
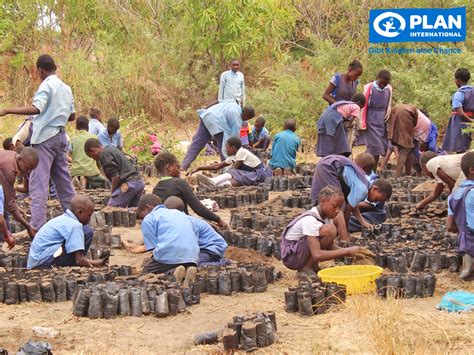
(357, 278)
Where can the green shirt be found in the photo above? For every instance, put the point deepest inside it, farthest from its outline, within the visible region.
(82, 165)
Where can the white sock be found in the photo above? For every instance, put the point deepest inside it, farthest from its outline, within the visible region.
(225, 183)
(219, 179)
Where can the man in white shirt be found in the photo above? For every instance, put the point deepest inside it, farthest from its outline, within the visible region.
(232, 84)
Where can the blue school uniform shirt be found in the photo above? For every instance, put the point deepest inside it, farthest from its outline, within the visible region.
(55, 103)
(458, 97)
(208, 238)
(358, 189)
(258, 135)
(224, 117)
(95, 126)
(63, 229)
(232, 87)
(116, 140)
(170, 234)
(284, 148)
(468, 202)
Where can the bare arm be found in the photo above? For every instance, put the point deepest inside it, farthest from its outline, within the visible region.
(327, 93)
(81, 260)
(463, 115)
(114, 183)
(215, 166)
(361, 218)
(451, 225)
(72, 117)
(433, 196)
(25, 110)
(323, 255)
(448, 180)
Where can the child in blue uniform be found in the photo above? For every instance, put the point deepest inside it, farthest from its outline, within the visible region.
(463, 109)
(343, 86)
(65, 240)
(284, 148)
(260, 136)
(247, 169)
(461, 214)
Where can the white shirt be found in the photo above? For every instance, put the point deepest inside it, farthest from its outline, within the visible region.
(308, 226)
(95, 126)
(450, 164)
(232, 87)
(246, 157)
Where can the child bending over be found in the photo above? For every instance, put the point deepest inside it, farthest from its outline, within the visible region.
(284, 148)
(461, 214)
(310, 237)
(247, 168)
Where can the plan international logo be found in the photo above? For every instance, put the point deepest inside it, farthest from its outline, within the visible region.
(417, 25)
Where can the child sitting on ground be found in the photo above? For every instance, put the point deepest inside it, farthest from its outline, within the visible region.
(127, 184)
(260, 136)
(170, 184)
(310, 237)
(284, 148)
(170, 234)
(461, 214)
(65, 240)
(247, 168)
(444, 169)
(212, 246)
(341, 172)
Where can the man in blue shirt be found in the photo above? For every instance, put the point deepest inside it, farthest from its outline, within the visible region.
(95, 123)
(232, 84)
(53, 106)
(222, 121)
(212, 246)
(170, 234)
(284, 148)
(65, 240)
(111, 136)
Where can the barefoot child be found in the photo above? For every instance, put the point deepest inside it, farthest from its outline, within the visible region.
(333, 125)
(170, 234)
(378, 98)
(127, 184)
(463, 111)
(171, 184)
(212, 246)
(343, 86)
(310, 237)
(444, 169)
(461, 214)
(284, 148)
(65, 240)
(346, 175)
(260, 136)
(247, 168)
(111, 136)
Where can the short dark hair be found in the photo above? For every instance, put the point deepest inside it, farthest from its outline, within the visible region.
(90, 144)
(163, 159)
(467, 163)
(462, 74)
(260, 119)
(355, 65)
(234, 60)
(30, 155)
(425, 157)
(94, 112)
(384, 74)
(234, 142)
(148, 199)
(113, 122)
(365, 161)
(359, 99)
(7, 142)
(249, 112)
(174, 203)
(46, 62)
(384, 186)
(290, 124)
(82, 123)
(329, 191)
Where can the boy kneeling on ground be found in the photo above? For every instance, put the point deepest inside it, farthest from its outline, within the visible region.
(170, 234)
(65, 240)
(310, 237)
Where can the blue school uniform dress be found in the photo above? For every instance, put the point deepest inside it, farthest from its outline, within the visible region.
(63, 231)
(454, 139)
(284, 148)
(461, 206)
(95, 126)
(170, 234)
(332, 135)
(211, 244)
(342, 173)
(251, 172)
(107, 141)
